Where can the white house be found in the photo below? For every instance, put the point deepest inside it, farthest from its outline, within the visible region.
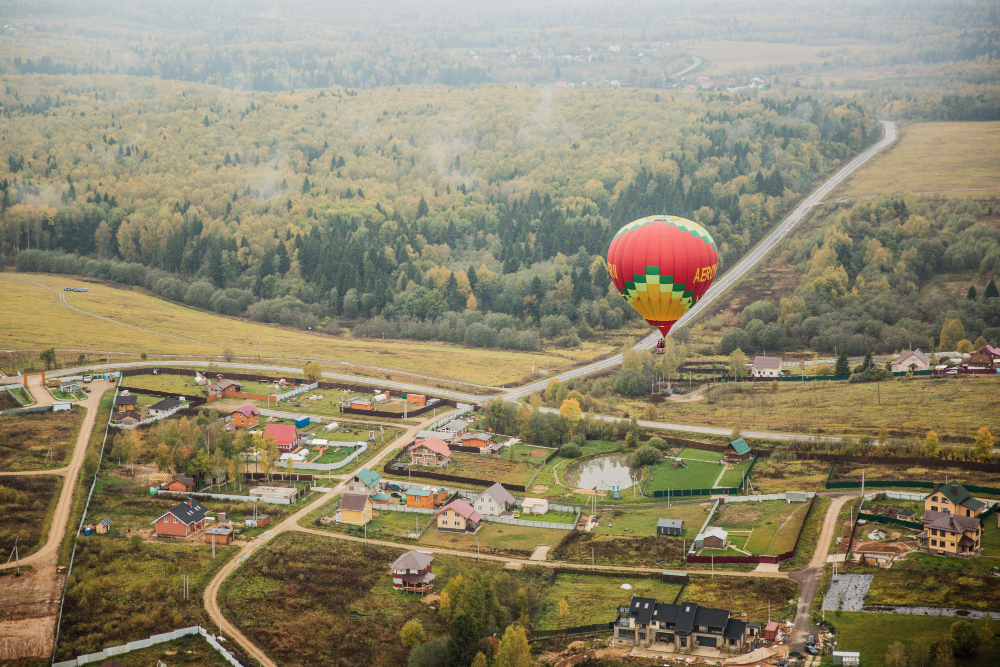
(911, 360)
(534, 506)
(766, 367)
(494, 501)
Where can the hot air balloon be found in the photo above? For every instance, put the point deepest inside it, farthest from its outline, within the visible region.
(662, 265)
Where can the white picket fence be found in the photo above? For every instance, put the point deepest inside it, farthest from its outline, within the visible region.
(295, 392)
(108, 653)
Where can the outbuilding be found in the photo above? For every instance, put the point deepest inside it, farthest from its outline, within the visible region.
(669, 527)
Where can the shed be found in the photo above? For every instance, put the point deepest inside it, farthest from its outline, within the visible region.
(905, 515)
(219, 535)
(796, 496)
(715, 538)
(669, 527)
(104, 526)
(674, 577)
(301, 422)
(771, 631)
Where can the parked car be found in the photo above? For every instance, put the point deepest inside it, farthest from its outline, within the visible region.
(87, 389)
(951, 371)
(810, 640)
(811, 650)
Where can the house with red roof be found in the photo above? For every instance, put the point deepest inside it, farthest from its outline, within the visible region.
(247, 416)
(286, 435)
(458, 516)
(431, 451)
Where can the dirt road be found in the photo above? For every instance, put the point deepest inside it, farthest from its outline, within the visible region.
(810, 576)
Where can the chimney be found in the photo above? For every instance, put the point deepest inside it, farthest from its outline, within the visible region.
(954, 488)
(936, 487)
(190, 502)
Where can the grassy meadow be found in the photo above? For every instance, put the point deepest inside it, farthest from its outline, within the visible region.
(934, 157)
(25, 439)
(594, 599)
(627, 522)
(141, 323)
(953, 406)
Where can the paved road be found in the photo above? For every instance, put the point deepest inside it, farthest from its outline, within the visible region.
(732, 275)
(690, 68)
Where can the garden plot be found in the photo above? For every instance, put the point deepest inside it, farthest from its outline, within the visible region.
(847, 592)
(626, 522)
(479, 466)
(774, 525)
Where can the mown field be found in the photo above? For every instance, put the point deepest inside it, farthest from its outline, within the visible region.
(725, 57)
(934, 157)
(696, 474)
(181, 330)
(26, 506)
(25, 439)
(774, 524)
(954, 406)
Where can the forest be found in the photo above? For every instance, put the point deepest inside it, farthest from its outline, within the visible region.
(882, 275)
(417, 213)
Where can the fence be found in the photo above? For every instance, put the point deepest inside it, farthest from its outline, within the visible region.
(393, 467)
(766, 497)
(404, 508)
(750, 560)
(150, 420)
(10, 390)
(891, 520)
(336, 465)
(295, 392)
(146, 643)
(24, 411)
(578, 630)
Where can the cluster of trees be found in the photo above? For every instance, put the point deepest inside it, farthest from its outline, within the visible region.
(448, 202)
(884, 444)
(866, 281)
(478, 607)
(965, 640)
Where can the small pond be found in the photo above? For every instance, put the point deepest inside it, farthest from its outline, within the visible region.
(605, 471)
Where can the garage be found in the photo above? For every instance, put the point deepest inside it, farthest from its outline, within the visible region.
(710, 642)
(666, 637)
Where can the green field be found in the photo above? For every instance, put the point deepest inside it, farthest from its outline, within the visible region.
(871, 634)
(595, 599)
(759, 598)
(61, 395)
(385, 524)
(26, 398)
(774, 524)
(697, 474)
(642, 522)
(497, 538)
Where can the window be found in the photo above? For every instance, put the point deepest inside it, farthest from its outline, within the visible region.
(934, 508)
(934, 499)
(933, 543)
(457, 523)
(953, 544)
(933, 531)
(968, 513)
(944, 501)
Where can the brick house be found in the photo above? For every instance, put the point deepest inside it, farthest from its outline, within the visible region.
(952, 498)
(412, 573)
(431, 451)
(686, 626)
(247, 416)
(181, 520)
(458, 516)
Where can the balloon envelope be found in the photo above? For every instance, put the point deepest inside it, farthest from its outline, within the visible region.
(662, 265)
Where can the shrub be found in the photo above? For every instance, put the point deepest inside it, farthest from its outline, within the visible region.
(658, 442)
(570, 450)
(644, 456)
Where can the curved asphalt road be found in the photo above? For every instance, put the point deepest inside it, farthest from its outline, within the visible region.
(731, 276)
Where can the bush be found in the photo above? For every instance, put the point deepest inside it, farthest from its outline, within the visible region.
(572, 339)
(429, 654)
(658, 442)
(645, 456)
(570, 450)
(480, 335)
(199, 294)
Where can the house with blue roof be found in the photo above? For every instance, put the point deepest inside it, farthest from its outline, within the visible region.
(364, 482)
(737, 451)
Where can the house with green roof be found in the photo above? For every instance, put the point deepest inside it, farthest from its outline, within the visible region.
(364, 482)
(738, 450)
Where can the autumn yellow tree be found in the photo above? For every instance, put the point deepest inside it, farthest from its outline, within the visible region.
(570, 412)
(983, 446)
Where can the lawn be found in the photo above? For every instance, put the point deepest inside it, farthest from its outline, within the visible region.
(175, 384)
(61, 395)
(774, 524)
(748, 595)
(697, 474)
(120, 592)
(25, 397)
(496, 538)
(478, 466)
(934, 157)
(871, 634)
(627, 522)
(191, 651)
(909, 407)
(386, 525)
(733, 477)
(595, 598)
(25, 439)
(550, 517)
(27, 503)
(169, 328)
(806, 547)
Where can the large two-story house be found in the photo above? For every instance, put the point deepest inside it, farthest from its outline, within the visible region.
(648, 623)
(951, 521)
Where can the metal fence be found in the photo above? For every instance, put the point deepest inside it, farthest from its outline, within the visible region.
(336, 465)
(404, 508)
(296, 392)
(578, 630)
(25, 411)
(768, 496)
(108, 653)
(151, 420)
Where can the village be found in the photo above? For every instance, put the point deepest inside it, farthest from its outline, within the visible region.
(704, 552)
